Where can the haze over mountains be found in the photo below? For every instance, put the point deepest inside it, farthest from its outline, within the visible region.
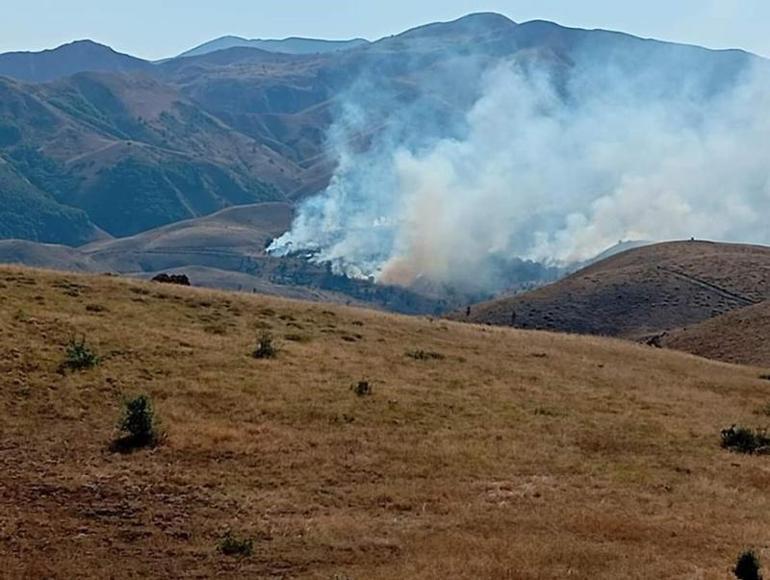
(457, 160)
(287, 45)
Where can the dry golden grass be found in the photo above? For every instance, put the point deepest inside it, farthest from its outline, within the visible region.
(741, 336)
(518, 455)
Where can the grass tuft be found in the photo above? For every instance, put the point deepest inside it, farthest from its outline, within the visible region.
(425, 355)
(363, 389)
(266, 347)
(231, 545)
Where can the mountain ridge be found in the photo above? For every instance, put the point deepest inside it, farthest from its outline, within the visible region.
(289, 45)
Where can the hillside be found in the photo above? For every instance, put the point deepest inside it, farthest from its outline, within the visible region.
(507, 454)
(741, 337)
(642, 291)
(132, 153)
(28, 213)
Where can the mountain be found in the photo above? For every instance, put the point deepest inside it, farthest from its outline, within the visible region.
(287, 45)
(68, 59)
(479, 453)
(640, 292)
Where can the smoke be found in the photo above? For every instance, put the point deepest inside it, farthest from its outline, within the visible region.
(541, 161)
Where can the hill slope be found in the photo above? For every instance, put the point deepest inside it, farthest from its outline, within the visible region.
(741, 336)
(518, 454)
(642, 291)
(133, 153)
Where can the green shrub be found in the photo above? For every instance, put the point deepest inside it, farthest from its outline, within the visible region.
(748, 567)
(745, 440)
(266, 347)
(79, 356)
(230, 545)
(138, 424)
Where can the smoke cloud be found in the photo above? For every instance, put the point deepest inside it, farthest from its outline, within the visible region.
(540, 161)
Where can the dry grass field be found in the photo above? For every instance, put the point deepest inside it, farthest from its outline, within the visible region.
(498, 454)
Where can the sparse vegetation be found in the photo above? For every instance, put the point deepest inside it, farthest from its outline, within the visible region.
(745, 440)
(79, 356)
(230, 545)
(138, 424)
(748, 567)
(363, 389)
(450, 451)
(425, 355)
(266, 347)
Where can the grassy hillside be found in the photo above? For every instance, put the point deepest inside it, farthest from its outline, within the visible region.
(739, 337)
(481, 452)
(131, 153)
(28, 213)
(642, 291)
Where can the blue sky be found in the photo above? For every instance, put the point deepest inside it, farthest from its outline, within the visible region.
(160, 28)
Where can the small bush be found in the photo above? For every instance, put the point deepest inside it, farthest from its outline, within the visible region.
(425, 355)
(79, 356)
(748, 567)
(265, 347)
(138, 424)
(745, 440)
(230, 545)
(363, 389)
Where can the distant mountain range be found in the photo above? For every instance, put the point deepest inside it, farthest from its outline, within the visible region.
(95, 144)
(287, 45)
(69, 59)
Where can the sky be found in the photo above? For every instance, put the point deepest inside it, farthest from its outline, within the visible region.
(155, 29)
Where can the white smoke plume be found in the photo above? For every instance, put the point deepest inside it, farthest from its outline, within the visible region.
(542, 169)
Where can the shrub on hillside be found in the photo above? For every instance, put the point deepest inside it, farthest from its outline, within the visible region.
(425, 355)
(266, 347)
(79, 356)
(137, 425)
(230, 545)
(745, 440)
(363, 389)
(748, 567)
